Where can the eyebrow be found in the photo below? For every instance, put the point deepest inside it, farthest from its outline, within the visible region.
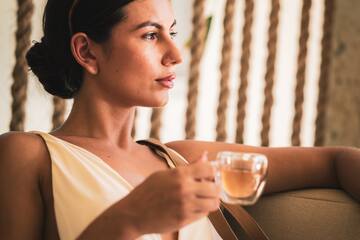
(152, 24)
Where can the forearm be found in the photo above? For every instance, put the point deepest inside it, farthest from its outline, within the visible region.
(328, 167)
(114, 223)
(348, 171)
(297, 168)
(292, 168)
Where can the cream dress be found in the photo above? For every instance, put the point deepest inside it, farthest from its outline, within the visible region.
(84, 186)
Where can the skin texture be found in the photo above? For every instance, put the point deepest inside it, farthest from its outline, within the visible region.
(119, 75)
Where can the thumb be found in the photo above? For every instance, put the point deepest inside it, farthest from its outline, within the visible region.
(203, 157)
(201, 168)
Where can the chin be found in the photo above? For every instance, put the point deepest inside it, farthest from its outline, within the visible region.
(156, 103)
(160, 104)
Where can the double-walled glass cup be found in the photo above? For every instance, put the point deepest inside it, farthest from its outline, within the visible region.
(242, 176)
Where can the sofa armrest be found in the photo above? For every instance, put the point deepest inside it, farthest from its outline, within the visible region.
(308, 214)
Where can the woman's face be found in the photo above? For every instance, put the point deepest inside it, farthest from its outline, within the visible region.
(136, 65)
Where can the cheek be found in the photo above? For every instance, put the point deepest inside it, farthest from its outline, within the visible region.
(137, 63)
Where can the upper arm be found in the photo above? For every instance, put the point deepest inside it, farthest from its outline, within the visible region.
(21, 207)
(289, 167)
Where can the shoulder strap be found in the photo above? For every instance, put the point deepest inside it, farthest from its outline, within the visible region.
(217, 218)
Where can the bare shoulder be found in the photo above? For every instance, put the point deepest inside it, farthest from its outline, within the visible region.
(24, 150)
(22, 165)
(19, 137)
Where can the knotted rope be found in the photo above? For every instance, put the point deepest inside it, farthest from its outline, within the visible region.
(59, 112)
(196, 50)
(244, 69)
(324, 71)
(20, 72)
(225, 70)
(300, 75)
(155, 123)
(270, 71)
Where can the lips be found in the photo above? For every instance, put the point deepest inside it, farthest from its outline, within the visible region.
(167, 82)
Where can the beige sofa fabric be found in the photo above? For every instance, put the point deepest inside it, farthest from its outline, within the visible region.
(321, 214)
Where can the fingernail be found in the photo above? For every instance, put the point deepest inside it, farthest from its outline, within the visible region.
(204, 155)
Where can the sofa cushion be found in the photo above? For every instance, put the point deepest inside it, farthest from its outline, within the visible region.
(308, 214)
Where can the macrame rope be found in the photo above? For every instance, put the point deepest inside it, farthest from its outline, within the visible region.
(270, 71)
(59, 112)
(20, 72)
(155, 123)
(324, 72)
(301, 71)
(196, 49)
(225, 70)
(244, 69)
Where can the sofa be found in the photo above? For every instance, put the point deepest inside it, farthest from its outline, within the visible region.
(312, 214)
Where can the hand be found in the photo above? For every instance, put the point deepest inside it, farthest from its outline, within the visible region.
(168, 200)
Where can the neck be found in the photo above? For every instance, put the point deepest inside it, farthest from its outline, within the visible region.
(94, 118)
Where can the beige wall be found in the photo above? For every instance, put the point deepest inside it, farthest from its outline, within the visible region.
(342, 124)
(39, 105)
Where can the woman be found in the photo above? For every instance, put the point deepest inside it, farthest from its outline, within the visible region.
(89, 179)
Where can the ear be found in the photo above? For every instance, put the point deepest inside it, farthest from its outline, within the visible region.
(83, 52)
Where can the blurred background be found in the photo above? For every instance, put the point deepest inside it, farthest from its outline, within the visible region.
(259, 72)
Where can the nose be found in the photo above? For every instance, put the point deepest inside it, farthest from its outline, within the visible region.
(172, 54)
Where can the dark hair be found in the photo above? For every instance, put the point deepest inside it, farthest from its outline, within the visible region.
(51, 59)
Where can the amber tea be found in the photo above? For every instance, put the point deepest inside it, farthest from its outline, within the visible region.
(239, 183)
(241, 176)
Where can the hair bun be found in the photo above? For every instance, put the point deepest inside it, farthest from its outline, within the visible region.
(52, 71)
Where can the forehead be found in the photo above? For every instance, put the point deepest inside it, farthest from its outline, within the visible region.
(140, 11)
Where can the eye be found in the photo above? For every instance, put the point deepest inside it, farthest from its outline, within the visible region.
(151, 36)
(173, 35)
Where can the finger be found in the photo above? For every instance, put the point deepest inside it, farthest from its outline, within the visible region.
(205, 205)
(201, 170)
(202, 158)
(206, 189)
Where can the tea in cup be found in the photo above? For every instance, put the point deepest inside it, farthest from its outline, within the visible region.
(242, 176)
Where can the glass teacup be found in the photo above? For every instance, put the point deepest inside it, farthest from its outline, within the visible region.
(242, 176)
